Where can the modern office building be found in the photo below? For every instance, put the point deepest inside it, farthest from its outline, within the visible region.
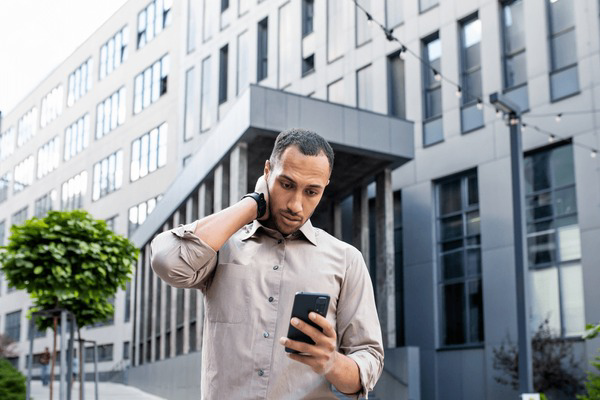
(422, 182)
(98, 133)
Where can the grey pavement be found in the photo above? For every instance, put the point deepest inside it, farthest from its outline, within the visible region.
(106, 391)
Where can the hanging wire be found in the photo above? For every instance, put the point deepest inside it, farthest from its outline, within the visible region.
(438, 76)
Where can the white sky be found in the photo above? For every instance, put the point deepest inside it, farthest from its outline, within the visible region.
(37, 35)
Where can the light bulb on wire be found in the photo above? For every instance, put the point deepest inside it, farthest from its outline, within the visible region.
(436, 75)
(558, 117)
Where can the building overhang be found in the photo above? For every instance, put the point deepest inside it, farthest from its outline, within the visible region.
(364, 143)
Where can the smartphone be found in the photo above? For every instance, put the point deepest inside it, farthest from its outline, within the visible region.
(304, 303)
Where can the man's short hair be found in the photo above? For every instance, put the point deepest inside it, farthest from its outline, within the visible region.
(308, 142)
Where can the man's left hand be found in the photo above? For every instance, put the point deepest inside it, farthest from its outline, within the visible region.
(321, 356)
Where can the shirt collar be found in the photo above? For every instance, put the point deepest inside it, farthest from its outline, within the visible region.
(307, 230)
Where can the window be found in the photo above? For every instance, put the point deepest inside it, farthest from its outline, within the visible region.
(128, 301)
(36, 333)
(4, 185)
(513, 53)
(190, 106)
(432, 91)
(26, 127)
(73, 192)
(2, 238)
(286, 59)
(7, 143)
(52, 105)
(363, 30)
(224, 5)
(152, 20)
(110, 113)
(138, 213)
(149, 152)
(151, 84)
(77, 137)
(396, 86)
(308, 65)
(223, 65)
(114, 52)
(20, 216)
(205, 103)
(553, 238)
(425, 5)
(470, 74)
(110, 222)
(191, 26)
(242, 62)
(108, 175)
(23, 174)
(335, 92)
(364, 88)
(211, 15)
(393, 13)
(308, 14)
(12, 325)
(80, 81)
(336, 16)
(263, 50)
(459, 257)
(564, 80)
(105, 353)
(126, 350)
(44, 204)
(48, 157)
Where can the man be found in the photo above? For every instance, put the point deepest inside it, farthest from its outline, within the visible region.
(44, 361)
(250, 259)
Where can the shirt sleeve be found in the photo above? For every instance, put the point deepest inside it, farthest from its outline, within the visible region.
(358, 328)
(182, 259)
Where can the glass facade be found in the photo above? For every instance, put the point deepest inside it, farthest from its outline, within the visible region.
(24, 174)
(138, 213)
(7, 143)
(553, 240)
(205, 102)
(364, 88)
(396, 86)
(52, 105)
(564, 80)
(114, 52)
(459, 255)
(80, 81)
(223, 73)
(286, 59)
(110, 113)
(77, 137)
(108, 175)
(73, 192)
(243, 56)
(336, 18)
(27, 127)
(48, 157)
(151, 84)
(363, 29)
(149, 152)
(152, 20)
(262, 50)
(336, 92)
(12, 325)
(190, 106)
(44, 204)
(514, 56)
(470, 74)
(432, 91)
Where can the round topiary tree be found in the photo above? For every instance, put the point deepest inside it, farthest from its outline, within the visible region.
(71, 261)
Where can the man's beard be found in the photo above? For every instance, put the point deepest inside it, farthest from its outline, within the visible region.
(272, 222)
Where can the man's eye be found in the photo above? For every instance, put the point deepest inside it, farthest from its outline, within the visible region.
(311, 192)
(286, 185)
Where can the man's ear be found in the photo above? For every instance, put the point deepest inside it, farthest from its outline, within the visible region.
(267, 169)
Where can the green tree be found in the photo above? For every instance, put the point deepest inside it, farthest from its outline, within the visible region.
(12, 382)
(71, 261)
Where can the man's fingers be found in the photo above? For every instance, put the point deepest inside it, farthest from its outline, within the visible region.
(298, 346)
(323, 323)
(315, 334)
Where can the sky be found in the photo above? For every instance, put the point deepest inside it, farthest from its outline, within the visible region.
(37, 35)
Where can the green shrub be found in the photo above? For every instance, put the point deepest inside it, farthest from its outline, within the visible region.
(592, 385)
(12, 382)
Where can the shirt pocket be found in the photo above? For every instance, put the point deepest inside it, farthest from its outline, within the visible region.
(228, 296)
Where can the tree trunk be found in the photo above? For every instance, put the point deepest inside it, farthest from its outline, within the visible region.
(81, 348)
(55, 320)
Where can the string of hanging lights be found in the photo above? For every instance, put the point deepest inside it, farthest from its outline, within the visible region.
(439, 77)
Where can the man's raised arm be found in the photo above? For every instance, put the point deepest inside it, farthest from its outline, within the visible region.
(186, 256)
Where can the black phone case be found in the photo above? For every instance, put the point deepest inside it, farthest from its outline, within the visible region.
(304, 303)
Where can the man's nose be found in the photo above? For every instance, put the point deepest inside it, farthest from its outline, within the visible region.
(295, 203)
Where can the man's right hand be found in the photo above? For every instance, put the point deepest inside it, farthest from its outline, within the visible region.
(261, 187)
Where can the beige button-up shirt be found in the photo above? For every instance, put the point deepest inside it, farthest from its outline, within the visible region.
(249, 288)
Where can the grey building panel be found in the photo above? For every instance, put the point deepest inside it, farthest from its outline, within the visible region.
(418, 219)
(419, 296)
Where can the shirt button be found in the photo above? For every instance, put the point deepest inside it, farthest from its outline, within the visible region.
(275, 267)
(266, 334)
(270, 299)
(261, 372)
